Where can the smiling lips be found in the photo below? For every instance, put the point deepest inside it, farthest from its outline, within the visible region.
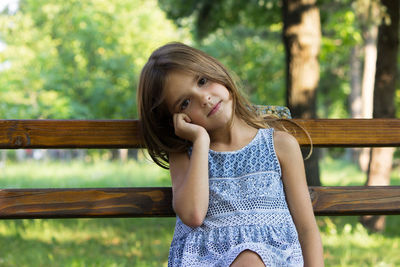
(214, 109)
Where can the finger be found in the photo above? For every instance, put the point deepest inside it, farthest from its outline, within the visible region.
(186, 118)
(178, 121)
(181, 117)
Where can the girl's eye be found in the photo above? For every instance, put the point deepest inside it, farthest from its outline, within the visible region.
(202, 81)
(184, 104)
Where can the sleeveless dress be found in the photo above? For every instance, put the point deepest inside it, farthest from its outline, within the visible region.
(247, 211)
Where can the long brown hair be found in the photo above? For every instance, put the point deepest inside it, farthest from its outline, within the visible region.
(155, 119)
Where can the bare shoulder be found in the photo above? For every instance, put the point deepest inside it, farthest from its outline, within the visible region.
(286, 145)
(284, 140)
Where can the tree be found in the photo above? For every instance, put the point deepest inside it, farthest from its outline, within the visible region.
(340, 35)
(77, 59)
(244, 35)
(384, 94)
(205, 16)
(368, 13)
(256, 57)
(302, 36)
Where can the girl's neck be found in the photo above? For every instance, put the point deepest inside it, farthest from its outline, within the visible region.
(238, 135)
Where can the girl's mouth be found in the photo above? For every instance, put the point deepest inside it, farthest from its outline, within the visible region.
(214, 109)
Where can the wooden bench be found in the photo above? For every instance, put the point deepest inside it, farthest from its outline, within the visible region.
(156, 201)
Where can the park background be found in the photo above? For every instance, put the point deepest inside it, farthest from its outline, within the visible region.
(75, 59)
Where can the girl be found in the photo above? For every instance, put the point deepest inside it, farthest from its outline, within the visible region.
(239, 187)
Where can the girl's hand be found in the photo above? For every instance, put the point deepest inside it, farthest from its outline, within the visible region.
(187, 130)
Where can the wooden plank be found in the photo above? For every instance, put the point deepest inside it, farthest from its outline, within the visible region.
(156, 202)
(125, 133)
(85, 203)
(69, 134)
(348, 132)
(356, 200)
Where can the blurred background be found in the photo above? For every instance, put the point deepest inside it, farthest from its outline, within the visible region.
(71, 59)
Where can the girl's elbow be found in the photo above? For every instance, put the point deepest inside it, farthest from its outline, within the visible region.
(194, 221)
(191, 215)
(192, 218)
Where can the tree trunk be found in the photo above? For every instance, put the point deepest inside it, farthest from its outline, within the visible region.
(302, 38)
(355, 79)
(367, 89)
(385, 85)
(368, 14)
(355, 103)
(3, 158)
(370, 53)
(123, 154)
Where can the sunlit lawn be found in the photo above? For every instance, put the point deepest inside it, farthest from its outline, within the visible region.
(84, 242)
(346, 241)
(145, 241)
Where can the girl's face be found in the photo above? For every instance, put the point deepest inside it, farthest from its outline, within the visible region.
(207, 103)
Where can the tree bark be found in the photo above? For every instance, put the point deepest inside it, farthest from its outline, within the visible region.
(355, 80)
(355, 102)
(368, 81)
(368, 13)
(385, 85)
(302, 38)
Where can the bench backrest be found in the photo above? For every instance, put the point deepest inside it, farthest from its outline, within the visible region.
(149, 202)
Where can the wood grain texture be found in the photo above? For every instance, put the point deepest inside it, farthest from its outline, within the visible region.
(348, 132)
(156, 202)
(356, 200)
(125, 133)
(69, 134)
(85, 203)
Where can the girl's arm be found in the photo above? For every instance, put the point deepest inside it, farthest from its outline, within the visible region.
(298, 197)
(189, 176)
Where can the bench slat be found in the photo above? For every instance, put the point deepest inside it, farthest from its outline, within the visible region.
(69, 134)
(156, 202)
(350, 132)
(356, 200)
(85, 203)
(125, 133)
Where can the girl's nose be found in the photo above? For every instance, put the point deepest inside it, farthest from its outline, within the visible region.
(205, 99)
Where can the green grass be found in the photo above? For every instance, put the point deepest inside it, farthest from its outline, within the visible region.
(145, 241)
(84, 242)
(79, 174)
(346, 242)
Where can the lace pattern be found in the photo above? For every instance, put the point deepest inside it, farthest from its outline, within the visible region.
(247, 210)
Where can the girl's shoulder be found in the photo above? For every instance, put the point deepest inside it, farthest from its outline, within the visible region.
(285, 144)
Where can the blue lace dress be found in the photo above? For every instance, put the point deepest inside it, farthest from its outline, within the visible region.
(247, 211)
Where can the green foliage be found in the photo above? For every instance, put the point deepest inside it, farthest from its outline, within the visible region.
(340, 33)
(206, 16)
(77, 59)
(216, 25)
(244, 35)
(256, 57)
